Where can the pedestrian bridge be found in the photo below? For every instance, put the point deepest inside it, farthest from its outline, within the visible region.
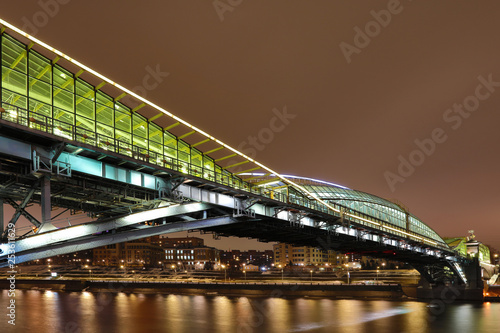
(74, 140)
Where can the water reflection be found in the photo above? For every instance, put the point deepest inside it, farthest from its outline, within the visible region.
(51, 311)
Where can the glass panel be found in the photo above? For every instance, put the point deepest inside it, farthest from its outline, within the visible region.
(84, 89)
(196, 157)
(14, 80)
(85, 107)
(105, 130)
(156, 147)
(76, 102)
(64, 116)
(170, 152)
(64, 100)
(14, 98)
(85, 123)
(13, 54)
(63, 79)
(208, 163)
(123, 126)
(40, 107)
(104, 115)
(184, 153)
(139, 125)
(40, 90)
(170, 140)
(104, 99)
(140, 142)
(39, 67)
(155, 133)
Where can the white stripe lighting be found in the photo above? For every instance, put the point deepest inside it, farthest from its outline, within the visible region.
(157, 107)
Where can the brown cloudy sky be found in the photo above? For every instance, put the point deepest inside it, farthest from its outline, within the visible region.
(354, 115)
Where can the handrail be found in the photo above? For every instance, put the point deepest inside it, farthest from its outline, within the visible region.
(36, 121)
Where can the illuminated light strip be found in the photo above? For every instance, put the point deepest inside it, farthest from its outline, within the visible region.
(304, 178)
(411, 235)
(391, 228)
(157, 107)
(362, 219)
(354, 216)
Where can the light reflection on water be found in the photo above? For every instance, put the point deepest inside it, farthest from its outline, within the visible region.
(48, 311)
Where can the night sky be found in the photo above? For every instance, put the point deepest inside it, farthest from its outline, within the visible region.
(368, 87)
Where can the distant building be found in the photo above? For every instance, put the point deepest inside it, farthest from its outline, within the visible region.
(144, 252)
(470, 247)
(287, 254)
(167, 242)
(255, 257)
(189, 253)
(251, 268)
(71, 259)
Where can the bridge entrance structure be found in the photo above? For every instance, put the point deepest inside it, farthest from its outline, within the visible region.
(71, 139)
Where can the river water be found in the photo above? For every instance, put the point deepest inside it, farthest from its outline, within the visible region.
(79, 312)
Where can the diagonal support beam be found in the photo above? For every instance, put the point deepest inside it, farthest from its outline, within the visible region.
(20, 208)
(25, 213)
(1, 215)
(234, 165)
(58, 149)
(54, 248)
(88, 229)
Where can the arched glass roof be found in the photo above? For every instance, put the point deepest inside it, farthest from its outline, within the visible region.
(49, 91)
(365, 203)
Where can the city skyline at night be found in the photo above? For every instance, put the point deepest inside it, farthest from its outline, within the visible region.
(408, 150)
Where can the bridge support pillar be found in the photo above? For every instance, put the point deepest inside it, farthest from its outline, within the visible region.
(45, 200)
(46, 205)
(1, 216)
(448, 293)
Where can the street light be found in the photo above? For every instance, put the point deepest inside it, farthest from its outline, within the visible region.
(224, 268)
(281, 273)
(311, 275)
(245, 272)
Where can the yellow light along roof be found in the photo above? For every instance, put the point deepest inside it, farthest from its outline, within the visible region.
(157, 107)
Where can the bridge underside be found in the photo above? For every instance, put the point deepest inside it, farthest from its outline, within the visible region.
(206, 218)
(126, 210)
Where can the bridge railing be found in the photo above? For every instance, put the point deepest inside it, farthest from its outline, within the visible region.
(36, 121)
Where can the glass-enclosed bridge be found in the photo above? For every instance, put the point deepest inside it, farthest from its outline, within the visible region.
(74, 139)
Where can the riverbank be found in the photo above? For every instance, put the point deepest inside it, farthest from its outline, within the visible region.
(330, 290)
(241, 288)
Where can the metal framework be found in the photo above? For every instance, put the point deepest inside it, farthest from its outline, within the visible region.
(71, 139)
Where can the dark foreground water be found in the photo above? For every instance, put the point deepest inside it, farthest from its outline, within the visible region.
(48, 311)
